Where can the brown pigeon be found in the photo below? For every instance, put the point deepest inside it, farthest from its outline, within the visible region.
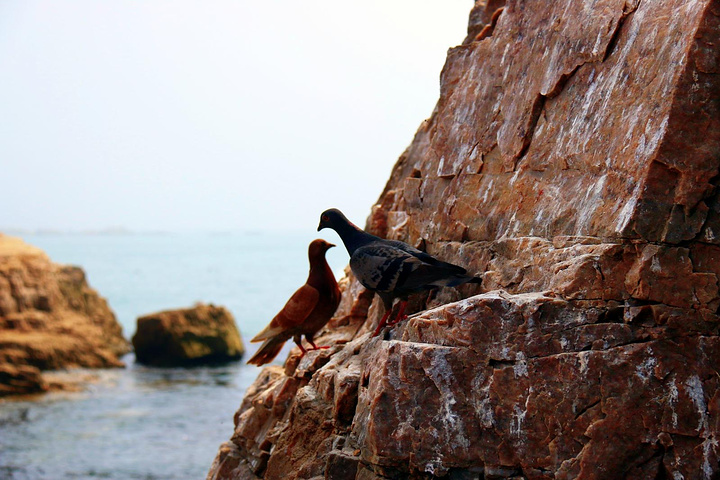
(391, 268)
(307, 311)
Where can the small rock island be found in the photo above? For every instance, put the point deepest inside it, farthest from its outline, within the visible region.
(203, 334)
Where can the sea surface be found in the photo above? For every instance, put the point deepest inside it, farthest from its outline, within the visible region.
(152, 423)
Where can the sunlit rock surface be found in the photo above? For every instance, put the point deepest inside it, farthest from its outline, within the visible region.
(189, 336)
(572, 158)
(50, 319)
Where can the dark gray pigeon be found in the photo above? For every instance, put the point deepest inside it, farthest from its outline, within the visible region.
(391, 268)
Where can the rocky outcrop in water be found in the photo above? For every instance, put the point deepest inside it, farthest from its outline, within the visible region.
(50, 319)
(573, 158)
(191, 336)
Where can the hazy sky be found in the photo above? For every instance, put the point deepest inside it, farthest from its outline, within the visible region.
(222, 115)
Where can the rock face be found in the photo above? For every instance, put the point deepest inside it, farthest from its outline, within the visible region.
(573, 158)
(49, 319)
(191, 336)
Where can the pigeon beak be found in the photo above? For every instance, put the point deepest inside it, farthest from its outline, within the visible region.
(330, 245)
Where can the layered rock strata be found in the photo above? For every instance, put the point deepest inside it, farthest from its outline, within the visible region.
(50, 319)
(573, 158)
(189, 336)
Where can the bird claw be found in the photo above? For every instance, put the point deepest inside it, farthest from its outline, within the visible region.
(382, 323)
(315, 347)
(397, 320)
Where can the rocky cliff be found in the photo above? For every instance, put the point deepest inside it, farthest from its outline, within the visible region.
(49, 319)
(573, 158)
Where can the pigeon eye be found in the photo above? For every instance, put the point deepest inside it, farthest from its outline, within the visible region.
(325, 218)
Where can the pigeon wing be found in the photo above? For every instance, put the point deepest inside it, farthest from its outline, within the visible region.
(426, 257)
(293, 314)
(427, 276)
(381, 266)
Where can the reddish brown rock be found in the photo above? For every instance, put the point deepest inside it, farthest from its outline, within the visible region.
(545, 129)
(20, 380)
(573, 160)
(190, 336)
(50, 319)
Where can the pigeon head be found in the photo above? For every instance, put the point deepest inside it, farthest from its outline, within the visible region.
(318, 247)
(333, 218)
(351, 235)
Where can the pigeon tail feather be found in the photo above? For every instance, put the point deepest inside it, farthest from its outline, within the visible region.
(267, 351)
(456, 280)
(268, 332)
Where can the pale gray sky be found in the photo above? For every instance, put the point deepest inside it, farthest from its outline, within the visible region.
(222, 115)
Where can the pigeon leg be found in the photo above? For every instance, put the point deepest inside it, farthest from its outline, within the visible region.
(298, 341)
(401, 313)
(382, 323)
(315, 347)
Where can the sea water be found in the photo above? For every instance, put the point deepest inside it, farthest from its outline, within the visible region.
(153, 423)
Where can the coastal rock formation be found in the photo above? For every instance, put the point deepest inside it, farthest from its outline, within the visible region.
(190, 336)
(573, 158)
(50, 319)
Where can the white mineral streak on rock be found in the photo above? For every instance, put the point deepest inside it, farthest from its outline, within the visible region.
(520, 368)
(672, 397)
(645, 369)
(695, 391)
(583, 357)
(481, 400)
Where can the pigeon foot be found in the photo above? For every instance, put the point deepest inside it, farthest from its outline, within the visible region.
(315, 347)
(383, 322)
(400, 315)
(302, 350)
